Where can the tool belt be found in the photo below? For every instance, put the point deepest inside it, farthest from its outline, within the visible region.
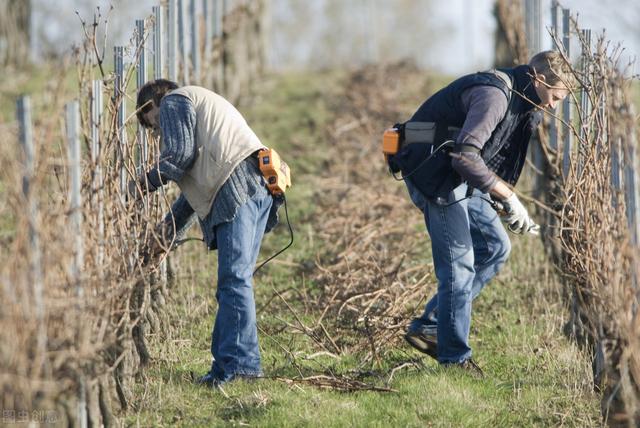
(401, 135)
(420, 150)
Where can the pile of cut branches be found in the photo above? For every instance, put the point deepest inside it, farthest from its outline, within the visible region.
(376, 273)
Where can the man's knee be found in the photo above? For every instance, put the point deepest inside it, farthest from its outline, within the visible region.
(238, 275)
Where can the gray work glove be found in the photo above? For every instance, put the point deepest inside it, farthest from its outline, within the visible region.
(517, 218)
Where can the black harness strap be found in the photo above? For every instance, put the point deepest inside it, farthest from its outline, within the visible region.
(442, 133)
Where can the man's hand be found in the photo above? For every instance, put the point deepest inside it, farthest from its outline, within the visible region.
(517, 218)
(138, 188)
(133, 193)
(157, 242)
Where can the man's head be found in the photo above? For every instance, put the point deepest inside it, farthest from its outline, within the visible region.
(552, 76)
(148, 103)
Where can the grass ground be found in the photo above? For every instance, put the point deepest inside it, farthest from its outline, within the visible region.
(535, 377)
(37, 82)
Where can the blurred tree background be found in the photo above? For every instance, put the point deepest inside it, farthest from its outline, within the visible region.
(453, 37)
(15, 30)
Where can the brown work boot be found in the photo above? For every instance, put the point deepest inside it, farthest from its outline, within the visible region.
(469, 366)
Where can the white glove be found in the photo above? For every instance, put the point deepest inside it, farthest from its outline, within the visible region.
(517, 218)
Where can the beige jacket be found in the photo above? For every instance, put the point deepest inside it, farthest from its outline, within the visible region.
(223, 140)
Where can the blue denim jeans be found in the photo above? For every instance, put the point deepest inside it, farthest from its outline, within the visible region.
(469, 246)
(234, 341)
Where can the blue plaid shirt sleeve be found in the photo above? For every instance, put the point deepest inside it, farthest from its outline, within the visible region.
(180, 218)
(178, 126)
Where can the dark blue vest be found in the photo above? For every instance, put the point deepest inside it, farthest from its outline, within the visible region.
(506, 149)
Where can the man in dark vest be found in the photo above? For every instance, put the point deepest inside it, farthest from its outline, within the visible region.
(488, 118)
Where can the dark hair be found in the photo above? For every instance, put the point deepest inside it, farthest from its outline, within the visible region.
(152, 91)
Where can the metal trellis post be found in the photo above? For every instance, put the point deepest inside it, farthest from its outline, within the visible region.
(537, 26)
(533, 34)
(553, 122)
(616, 176)
(630, 187)
(141, 80)
(566, 104)
(585, 104)
(96, 118)
(159, 38)
(35, 254)
(75, 200)
(208, 12)
(121, 109)
(195, 41)
(182, 40)
(173, 40)
(219, 9)
(158, 72)
(75, 208)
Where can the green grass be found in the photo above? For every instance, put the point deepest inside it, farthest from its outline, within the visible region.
(35, 81)
(535, 377)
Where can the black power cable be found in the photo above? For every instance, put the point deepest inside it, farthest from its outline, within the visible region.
(433, 153)
(286, 212)
(496, 205)
(179, 242)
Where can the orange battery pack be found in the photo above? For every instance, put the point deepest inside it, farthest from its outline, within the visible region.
(390, 141)
(275, 171)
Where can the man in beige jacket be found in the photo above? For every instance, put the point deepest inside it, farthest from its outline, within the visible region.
(208, 149)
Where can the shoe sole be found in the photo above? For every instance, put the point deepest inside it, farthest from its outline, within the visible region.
(425, 346)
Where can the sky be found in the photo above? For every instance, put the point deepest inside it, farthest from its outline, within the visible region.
(453, 36)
